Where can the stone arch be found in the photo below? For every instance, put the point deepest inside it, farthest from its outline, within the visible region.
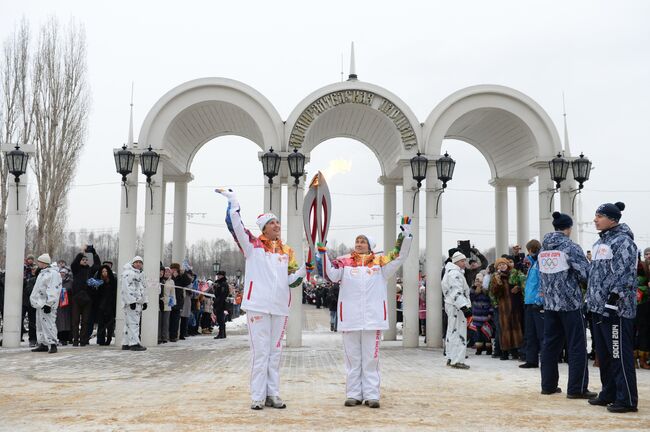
(509, 128)
(353, 109)
(197, 111)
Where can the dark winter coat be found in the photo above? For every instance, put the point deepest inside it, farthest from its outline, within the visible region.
(108, 293)
(332, 298)
(510, 311)
(81, 274)
(182, 280)
(221, 292)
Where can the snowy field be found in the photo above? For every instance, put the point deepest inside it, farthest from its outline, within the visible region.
(201, 384)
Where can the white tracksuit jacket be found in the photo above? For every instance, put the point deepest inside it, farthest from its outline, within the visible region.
(46, 292)
(362, 303)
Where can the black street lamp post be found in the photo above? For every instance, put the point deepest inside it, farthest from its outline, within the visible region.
(296, 161)
(149, 165)
(124, 160)
(17, 166)
(271, 168)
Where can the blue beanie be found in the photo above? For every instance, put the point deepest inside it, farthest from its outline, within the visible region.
(612, 211)
(561, 221)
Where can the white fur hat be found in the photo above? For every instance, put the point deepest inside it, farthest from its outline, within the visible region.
(265, 218)
(457, 257)
(45, 259)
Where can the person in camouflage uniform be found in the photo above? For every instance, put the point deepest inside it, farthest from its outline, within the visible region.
(563, 265)
(611, 298)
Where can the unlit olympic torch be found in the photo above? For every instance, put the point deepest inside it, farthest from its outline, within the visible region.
(317, 209)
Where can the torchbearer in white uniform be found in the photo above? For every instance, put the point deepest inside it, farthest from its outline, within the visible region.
(271, 272)
(362, 313)
(134, 301)
(457, 306)
(45, 299)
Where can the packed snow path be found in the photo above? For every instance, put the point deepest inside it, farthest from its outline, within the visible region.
(201, 384)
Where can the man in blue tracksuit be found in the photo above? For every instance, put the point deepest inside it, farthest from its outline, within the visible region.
(563, 266)
(611, 298)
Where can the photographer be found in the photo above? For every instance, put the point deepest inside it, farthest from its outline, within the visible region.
(82, 295)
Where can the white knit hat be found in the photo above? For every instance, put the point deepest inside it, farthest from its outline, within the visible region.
(457, 257)
(45, 259)
(136, 258)
(265, 218)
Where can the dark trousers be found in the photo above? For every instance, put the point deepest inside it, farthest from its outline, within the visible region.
(81, 309)
(174, 320)
(221, 322)
(184, 325)
(31, 323)
(105, 328)
(534, 337)
(614, 348)
(497, 332)
(559, 326)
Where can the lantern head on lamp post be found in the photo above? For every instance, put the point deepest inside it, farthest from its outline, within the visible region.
(581, 168)
(17, 166)
(124, 160)
(216, 266)
(296, 161)
(445, 166)
(271, 168)
(559, 168)
(419, 165)
(149, 165)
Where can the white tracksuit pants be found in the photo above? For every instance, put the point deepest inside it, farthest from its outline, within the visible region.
(456, 338)
(362, 364)
(265, 333)
(132, 325)
(46, 332)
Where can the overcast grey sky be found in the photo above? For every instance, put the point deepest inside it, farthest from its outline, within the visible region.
(597, 52)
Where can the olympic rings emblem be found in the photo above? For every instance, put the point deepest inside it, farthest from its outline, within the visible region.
(549, 262)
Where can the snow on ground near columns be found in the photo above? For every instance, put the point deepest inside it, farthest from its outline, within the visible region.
(202, 384)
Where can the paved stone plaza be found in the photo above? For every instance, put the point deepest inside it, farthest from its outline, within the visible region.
(202, 384)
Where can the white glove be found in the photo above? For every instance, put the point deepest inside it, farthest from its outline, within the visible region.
(230, 195)
(406, 229)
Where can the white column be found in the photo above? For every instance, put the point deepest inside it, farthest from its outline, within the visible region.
(180, 221)
(152, 223)
(523, 226)
(433, 269)
(294, 239)
(128, 217)
(15, 248)
(411, 325)
(545, 185)
(162, 221)
(390, 210)
(501, 218)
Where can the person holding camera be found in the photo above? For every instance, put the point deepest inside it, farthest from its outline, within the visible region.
(82, 295)
(134, 301)
(221, 292)
(45, 299)
(611, 298)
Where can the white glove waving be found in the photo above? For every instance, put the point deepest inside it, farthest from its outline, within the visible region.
(229, 194)
(405, 226)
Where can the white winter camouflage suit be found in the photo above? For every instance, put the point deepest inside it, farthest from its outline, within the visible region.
(46, 292)
(456, 292)
(133, 291)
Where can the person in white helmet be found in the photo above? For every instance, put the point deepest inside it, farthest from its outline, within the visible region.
(45, 299)
(271, 270)
(457, 307)
(362, 309)
(134, 301)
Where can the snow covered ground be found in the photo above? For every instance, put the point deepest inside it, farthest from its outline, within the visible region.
(202, 384)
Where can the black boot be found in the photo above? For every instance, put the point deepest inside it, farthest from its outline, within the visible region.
(40, 348)
(52, 349)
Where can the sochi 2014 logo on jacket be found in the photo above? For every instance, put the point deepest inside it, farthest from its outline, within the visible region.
(552, 262)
